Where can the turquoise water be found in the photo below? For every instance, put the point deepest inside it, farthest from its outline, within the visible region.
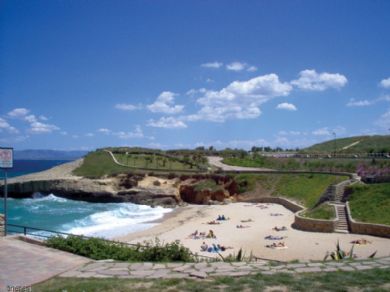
(77, 217)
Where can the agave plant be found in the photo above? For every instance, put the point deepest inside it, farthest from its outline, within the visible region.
(339, 254)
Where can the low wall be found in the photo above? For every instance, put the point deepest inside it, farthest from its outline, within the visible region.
(301, 223)
(367, 228)
(1, 225)
(293, 207)
(313, 225)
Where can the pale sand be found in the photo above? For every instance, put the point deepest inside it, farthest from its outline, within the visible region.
(180, 223)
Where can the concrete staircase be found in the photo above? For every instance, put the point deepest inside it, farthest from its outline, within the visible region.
(342, 223)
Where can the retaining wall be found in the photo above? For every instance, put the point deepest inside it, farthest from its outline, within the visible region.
(1, 225)
(367, 228)
(313, 225)
(292, 206)
(300, 222)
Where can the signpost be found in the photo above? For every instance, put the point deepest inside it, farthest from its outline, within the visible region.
(6, 162)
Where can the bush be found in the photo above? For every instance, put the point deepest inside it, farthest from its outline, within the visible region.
(100, 249)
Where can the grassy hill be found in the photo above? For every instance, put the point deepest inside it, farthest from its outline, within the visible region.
(358, 144)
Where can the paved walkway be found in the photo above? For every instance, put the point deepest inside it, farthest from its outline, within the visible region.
(217, 161)
(107, 269)
(24, 264)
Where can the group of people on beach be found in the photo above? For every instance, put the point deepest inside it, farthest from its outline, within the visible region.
(213, 247)
(202, 235)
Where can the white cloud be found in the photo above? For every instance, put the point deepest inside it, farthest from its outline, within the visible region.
(252, 69)
(64, 133)
(286, 106)
(127, 107)
(18, 112)
(384, 120)
(359, 103)
(137, 133)
(165, 103)
(236, 66)
(326, 131)
(292, 133)
(4, 125)
(312, 81)
(214, 65)
(38, 127)
(240, 99)
(385, 83)
(104, 130)
(168, 123)
(89, 134)
(322, 132)
(43, 118)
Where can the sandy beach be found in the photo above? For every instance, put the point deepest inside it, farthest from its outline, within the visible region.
(179, 224)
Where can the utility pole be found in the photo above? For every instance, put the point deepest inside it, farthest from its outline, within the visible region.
(335, 145)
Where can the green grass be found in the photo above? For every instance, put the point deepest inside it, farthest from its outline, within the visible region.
(305, 189)
(150, 161)
(369, 280)
(324, 211)
(367, 144)
(97, 164)
(306, 164)
(371, 203)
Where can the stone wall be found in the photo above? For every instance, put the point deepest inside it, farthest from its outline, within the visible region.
(292, 206)
(1, 225)
(367, 228)
(313, 225)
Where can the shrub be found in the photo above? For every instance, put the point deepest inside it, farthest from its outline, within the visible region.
(100, 249)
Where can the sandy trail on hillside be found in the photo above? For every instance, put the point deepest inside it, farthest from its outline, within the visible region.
(183, 221)
(217, 162)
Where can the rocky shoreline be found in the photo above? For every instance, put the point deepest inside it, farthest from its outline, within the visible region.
(133, 188)
(61, 182)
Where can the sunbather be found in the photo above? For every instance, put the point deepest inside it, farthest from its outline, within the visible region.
(213, 222)
(242, 226)
(246, 221)
(271, 237)
(360, 241)
(283, 228)
(211, 234)
(204, 246)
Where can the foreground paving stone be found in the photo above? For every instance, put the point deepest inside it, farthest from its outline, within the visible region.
(160, 273)
(308, 270)
(346, 268)
(113, 272)
(158, 266)
(198, 274)
(141, 273)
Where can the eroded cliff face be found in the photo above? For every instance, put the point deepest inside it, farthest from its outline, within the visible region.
(138, 189)
(122, 188)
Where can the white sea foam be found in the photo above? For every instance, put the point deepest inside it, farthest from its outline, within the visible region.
(123, 218)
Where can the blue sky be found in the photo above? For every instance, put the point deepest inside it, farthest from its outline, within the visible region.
(173, 74)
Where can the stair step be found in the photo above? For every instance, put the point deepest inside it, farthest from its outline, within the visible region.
(340, 231)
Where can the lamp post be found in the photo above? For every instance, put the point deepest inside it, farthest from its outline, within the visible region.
(335, 146)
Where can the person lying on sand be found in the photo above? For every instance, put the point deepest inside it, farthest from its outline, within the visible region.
(276, 214)
(262, 207)
(277, 245)
(246, 221)
(213, 222)
(204, 246)
(242, 226)
(271, 237)
(211, 234)
(223, 248)
(194, 235)
(283, 228)
(361, 241)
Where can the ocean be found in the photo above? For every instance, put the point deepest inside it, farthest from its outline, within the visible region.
(54, 213)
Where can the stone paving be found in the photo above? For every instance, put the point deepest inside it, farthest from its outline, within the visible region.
(109, 268)
(23, 264)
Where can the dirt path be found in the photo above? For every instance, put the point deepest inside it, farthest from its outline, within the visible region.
(217, 161)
